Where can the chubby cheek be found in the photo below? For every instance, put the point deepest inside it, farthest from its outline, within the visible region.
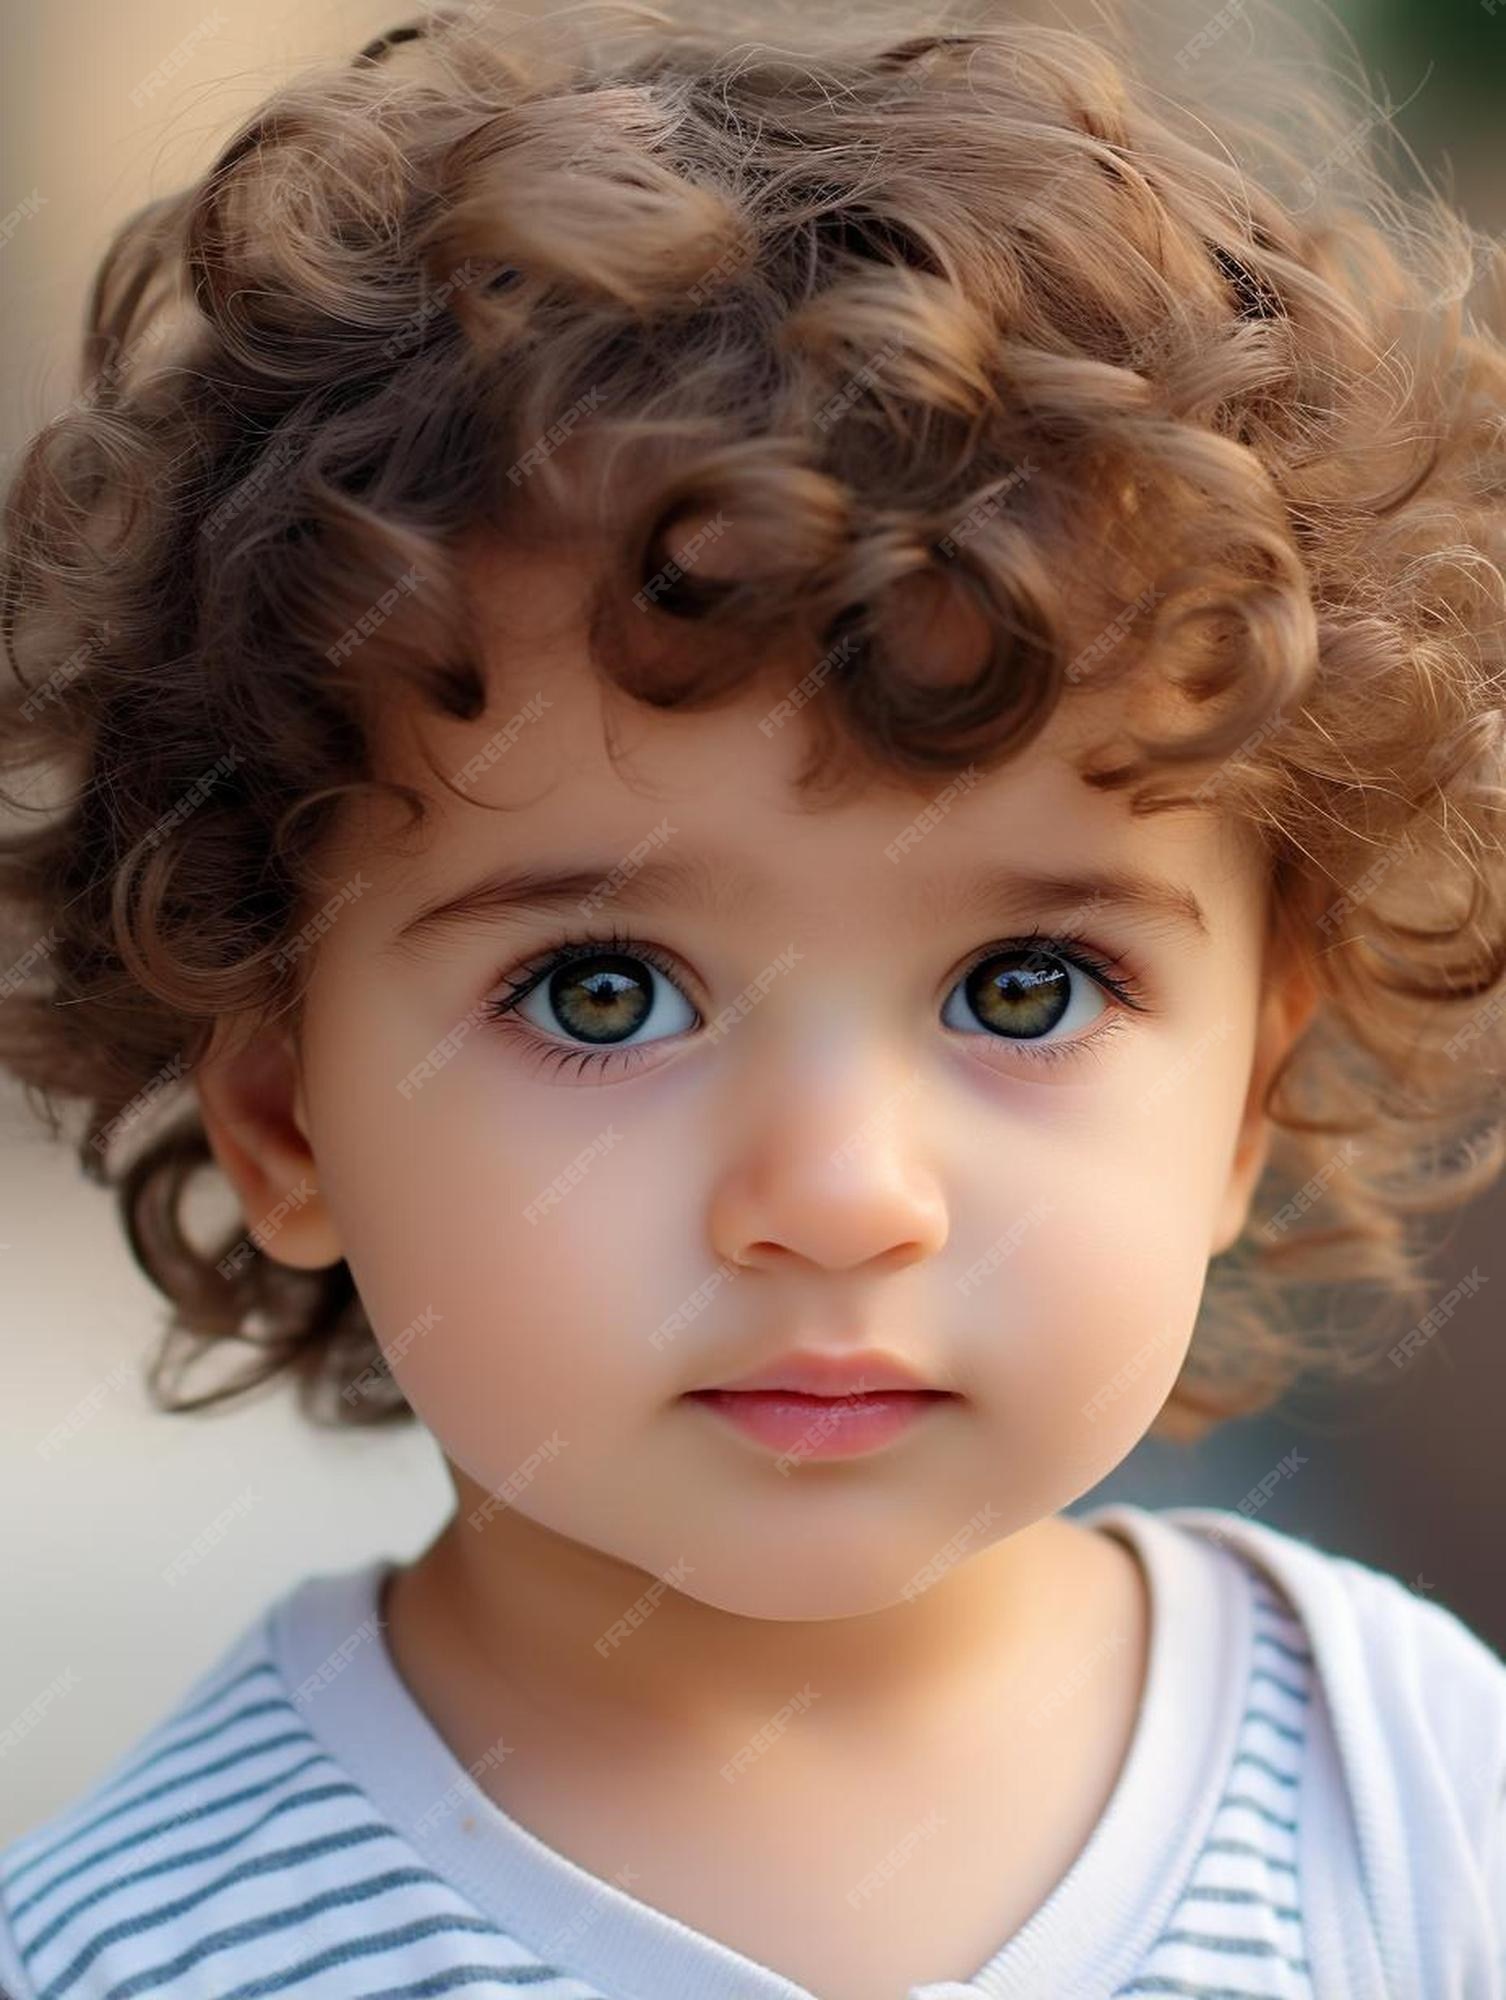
(514, 1248)
(1076, 1338)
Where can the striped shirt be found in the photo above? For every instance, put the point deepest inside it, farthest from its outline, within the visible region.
(294, 1825)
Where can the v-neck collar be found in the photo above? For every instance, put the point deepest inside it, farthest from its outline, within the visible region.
(1087, 1936)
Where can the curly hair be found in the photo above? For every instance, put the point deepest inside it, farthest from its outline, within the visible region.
(1175, 397)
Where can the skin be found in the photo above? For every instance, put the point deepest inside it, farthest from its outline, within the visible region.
(850, 1157)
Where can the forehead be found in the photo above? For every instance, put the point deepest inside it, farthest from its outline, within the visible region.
(561, 764)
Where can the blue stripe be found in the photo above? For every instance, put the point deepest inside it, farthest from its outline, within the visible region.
(366, 1947)
(264, 1665)
(186, 1857)
(375, 1885)
(1230, 1846)
(263, 1864)
(1229, 1802)
(1250, 1947)
(1160, 1982)
(1298, 1653)
(1263, 1764)
(1296, 1693)
(300, 1735)
(1213, 1893)
(465, 1975)
(222, 1802)
(1281, 1728)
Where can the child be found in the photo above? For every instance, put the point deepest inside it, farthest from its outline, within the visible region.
(823, 539)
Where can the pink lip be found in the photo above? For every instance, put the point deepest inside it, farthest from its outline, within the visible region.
(823, 1427)
(815, 1373)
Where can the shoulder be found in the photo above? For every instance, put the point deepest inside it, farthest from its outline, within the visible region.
(233, 1848)
(123, 1883)
(1375, 1640)
(1414, 1708)
(77, 1878)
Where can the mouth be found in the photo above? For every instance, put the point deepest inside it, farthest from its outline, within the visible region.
(799, 1425)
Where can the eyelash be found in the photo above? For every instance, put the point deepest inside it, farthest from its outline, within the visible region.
(1112, 973)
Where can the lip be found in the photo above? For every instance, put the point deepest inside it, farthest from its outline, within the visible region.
(798, 1426)
(812, 1372)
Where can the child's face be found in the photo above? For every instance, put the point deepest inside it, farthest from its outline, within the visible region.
(846, 1167)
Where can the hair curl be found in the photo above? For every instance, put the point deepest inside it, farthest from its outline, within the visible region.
(932, 301)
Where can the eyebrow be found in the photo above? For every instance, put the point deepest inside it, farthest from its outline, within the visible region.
(720, 887)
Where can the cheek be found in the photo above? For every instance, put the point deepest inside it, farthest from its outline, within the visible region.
(1084, 1324)
(506, 1244)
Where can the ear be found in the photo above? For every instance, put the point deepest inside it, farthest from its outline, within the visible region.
(1288, 1004)
(250, 1091)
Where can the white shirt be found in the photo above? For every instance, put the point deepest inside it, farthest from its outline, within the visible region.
(1312, 1807)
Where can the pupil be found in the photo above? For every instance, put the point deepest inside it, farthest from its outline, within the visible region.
(617, 1002)
(1028, 998)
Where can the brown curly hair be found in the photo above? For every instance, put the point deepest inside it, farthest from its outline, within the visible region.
(931, 300)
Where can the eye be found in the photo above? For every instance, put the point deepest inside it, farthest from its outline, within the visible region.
(595, 999)
(602, 1001)
(1038, 995)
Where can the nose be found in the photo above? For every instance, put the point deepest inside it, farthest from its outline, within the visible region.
(833, 1175)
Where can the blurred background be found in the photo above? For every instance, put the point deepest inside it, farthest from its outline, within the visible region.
(105, 108)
